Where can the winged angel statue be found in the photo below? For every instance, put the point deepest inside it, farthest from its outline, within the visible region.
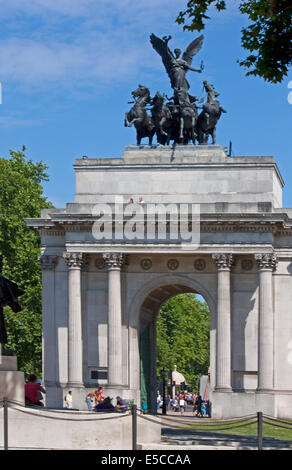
(175, 66)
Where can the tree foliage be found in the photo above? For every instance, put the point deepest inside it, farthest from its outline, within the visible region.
(267, 38)
(183, 337)
(21, 197)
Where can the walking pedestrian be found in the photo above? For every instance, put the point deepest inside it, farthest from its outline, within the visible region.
(158, 400)
(199, 406)
(182, 404)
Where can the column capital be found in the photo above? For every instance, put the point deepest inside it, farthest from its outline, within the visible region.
(74, 260)
(223, 261)
(48, 262)
(266, 261)
(114, 260)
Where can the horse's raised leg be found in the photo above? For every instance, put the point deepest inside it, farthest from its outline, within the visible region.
(126, 120)
(181, 129)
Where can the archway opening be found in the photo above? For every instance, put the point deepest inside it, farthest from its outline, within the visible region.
(174, 331)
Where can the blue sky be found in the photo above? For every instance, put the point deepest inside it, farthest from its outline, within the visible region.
(67, 69)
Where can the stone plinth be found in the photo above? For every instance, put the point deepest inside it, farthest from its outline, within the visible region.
(11, 380)
(185, 174)
(179, 153)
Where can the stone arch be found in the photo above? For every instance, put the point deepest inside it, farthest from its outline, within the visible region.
(179, 283)
(143, 313)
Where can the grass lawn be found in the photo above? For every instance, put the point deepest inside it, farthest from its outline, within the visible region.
(275, 431)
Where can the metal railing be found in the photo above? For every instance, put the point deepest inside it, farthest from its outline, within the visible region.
(58, 416)
(171, 422)
(217, 425)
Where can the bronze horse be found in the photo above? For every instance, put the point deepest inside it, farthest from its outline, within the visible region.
(186, 113)
(138, 115)
(176, 120)
(163, 120)
(208, 118)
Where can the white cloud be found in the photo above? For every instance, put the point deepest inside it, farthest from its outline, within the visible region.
(71, 43)
(18, 119)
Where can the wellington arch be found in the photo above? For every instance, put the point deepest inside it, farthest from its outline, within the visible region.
(102, 290)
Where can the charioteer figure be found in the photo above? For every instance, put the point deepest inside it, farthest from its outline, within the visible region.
(176, 66)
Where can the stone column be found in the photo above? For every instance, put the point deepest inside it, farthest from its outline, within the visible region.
(114, 263)
(48, 264)
(223, 331)
(266, 265)
(75, 370)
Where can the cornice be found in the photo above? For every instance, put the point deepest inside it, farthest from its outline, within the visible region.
(279, 224)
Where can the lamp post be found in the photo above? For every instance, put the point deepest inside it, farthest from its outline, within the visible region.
(171, 382)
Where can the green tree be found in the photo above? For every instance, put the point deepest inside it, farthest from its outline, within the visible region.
(21, 196)
(183, 337)
(267, 38)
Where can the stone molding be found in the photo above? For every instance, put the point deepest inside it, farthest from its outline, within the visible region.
(48, 262)
(50, 233)
(200, 264)
(237, 227)
(75, 260)
(146, 264)
(247, 264)
(266, 261)
(172, 264)
(100, 263)
(114, 260)
(223, 260)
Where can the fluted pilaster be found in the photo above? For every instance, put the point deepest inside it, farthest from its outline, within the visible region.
(223, 262)
(74, 262)
(114, 262)
(267, 263)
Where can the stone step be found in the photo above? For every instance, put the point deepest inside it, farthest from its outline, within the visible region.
(171, 437)
(225, 444)
(182, 447)
(167, 447)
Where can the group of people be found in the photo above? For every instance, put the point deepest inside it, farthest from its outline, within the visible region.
(97, 402)
(200, 408)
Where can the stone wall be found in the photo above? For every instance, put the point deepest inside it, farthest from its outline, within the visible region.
(69, 430)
